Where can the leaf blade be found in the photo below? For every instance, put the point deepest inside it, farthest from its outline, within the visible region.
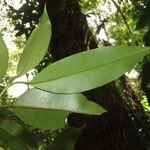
(3, 58)
(56, 107)
(35, 47)
(42, 119)
(16, 136)
(80, 72)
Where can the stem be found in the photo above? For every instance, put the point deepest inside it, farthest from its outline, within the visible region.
(4, 106)
(9, 85)
(5, 89)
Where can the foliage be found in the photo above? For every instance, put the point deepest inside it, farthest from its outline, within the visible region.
(57, 105)
(16, 136)
(66, 139)
(56, 88)
(3, 58)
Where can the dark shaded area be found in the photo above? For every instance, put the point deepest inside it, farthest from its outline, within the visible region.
(144, 21)
(146, 38)
(145, 79)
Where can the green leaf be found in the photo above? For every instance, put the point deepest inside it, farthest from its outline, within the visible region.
(46, 110)
(16, 137)
(89, 69)
(36, 46)
(43, 119)
(66, 139)
(3, 59)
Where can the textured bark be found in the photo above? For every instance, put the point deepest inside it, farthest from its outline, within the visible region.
(70, 30)
(145, 79)
(112, 130)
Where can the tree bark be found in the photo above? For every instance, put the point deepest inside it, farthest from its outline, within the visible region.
(112, 130)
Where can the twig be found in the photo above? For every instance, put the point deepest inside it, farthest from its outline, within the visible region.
(123, 17)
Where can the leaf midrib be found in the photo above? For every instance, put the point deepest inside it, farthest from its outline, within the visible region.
(51, 109)
(24, 66)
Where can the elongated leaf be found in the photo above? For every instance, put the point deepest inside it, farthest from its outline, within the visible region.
(46, 110)
(66, 139)
(36, 46)
(3, 58)
(88, 70)
(16, 137)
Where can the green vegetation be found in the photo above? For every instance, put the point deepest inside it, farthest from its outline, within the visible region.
(59, 110)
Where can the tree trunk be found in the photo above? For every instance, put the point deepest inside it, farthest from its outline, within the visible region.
(145, 79)
(112, 130)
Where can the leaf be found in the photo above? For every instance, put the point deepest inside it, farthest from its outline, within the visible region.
(46, 110)
(66, 139)
(3, 59)
(16, 137)
(43, 119)
(88, 70)
(36, 46)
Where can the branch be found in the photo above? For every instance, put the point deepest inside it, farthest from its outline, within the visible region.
(123, 17)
